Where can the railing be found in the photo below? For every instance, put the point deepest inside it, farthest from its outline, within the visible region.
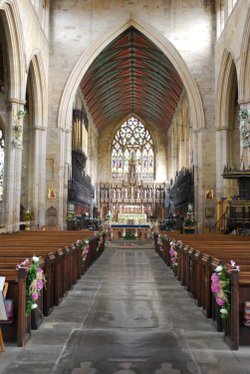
(222, 224)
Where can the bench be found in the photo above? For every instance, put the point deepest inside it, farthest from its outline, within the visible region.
(197, 258)
(61, 259)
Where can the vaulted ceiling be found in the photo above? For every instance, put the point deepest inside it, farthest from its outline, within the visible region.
(132, 76)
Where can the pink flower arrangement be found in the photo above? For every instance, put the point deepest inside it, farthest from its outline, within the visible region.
(160, 242)
(174, 252)
(220, 287)
(34, 283)
(86, 249)
(100, 241)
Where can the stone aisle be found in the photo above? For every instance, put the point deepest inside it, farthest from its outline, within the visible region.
(128, 314)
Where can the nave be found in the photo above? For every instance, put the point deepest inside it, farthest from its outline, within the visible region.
(128, 314)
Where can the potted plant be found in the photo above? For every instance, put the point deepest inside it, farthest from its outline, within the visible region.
(70, 219)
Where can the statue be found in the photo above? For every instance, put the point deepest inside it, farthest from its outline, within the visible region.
(132, 169)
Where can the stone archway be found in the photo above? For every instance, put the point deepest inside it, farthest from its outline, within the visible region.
(65, 110)
(227, 133)
(244, 86)
(196, 108)
(34, 144)
(11, 25)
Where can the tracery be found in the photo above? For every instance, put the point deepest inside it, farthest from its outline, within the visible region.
(132, 141)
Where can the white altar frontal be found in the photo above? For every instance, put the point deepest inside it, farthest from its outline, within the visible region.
(132, 218)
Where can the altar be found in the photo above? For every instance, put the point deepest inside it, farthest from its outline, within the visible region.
(140, 231)
(132, 218)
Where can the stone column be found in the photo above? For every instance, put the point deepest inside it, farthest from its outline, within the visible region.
(222, 138)
(205, 174)
(13, 164)
(39, 175)
(59, 151)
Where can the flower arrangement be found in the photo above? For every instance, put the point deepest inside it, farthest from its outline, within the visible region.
(85, 249)
(17, 139)
(189, 220)
(99, 242)
(29, 215)
(220, 287)
(160, 242)
(174, 252)
(34, 283)
(130, 235)
(71, 217)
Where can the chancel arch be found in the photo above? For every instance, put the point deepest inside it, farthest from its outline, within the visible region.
(197, 114)
(80, 72)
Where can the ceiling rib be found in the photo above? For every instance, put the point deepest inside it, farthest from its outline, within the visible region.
(130, 76)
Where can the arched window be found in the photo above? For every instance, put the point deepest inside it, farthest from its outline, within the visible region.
(132, 142)
(1, 163)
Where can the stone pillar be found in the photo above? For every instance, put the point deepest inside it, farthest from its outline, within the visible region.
(13, 164)
(39, 175)
(65, 162)
(222, 144)
(59, 151)
(204, 174)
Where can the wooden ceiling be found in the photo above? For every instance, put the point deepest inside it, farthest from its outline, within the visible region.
(132, 76)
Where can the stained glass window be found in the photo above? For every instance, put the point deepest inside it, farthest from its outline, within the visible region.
(1, 163)
(132, 141)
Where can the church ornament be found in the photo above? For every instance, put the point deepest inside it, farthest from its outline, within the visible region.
(244, 128)
(28, 217)
(17, 138)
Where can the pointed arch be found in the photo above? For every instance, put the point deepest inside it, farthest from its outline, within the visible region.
(196, 108)
(226, 82)
(244, 87)
(39, 89)
(16, 55)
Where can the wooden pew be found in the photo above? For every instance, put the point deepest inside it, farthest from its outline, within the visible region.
(62, 263)
(19, 330)
(197, 259)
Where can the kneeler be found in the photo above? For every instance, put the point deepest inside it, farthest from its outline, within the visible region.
(1, 335)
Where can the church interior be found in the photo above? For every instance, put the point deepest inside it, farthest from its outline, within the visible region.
(124, 186)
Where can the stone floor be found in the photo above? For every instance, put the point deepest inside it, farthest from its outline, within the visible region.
(128, 314)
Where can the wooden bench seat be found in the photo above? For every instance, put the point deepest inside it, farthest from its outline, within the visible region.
(19, 330)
